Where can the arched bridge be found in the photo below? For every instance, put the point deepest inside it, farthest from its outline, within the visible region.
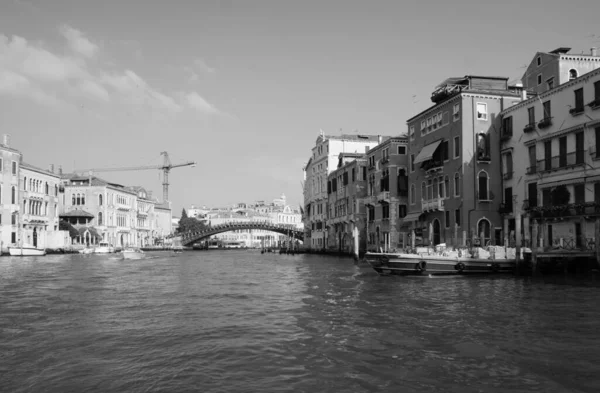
(188, 238)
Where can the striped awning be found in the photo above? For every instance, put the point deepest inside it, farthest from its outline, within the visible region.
(426, 152)
(412, 216)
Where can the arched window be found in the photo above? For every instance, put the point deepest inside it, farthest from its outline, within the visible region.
(441, 187)
(13, 195)
(413, 192)
(423, 190)
(483, 227)
(25, 183)
(47, 189)
(83, 199)
(74, 200)
(78, 199)
(456, 184)
(572, 74)
(446, 186)
(483, 186)
(100, 218)
(55, 190)
(100, 200)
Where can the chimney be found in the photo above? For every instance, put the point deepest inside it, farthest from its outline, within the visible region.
(6, 140)
(519, 86)
(366, 149)
(594, 51)
(60, 170)
(51, 168)
(378, 138)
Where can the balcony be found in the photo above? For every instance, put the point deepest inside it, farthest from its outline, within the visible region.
(576, 111)
(531, 170)
(432, 167)
(562, 161)
(594, 104)
(482, 158)
(529, 128)
(545, 123)
(122, 206)
(33, 218)
(566, 211)
(383, 196)
(507, 175)
(371, 167)
(505, 208)
(370, 200)
(506, 133)
(434, 204)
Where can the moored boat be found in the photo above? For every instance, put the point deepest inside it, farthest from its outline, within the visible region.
(104, 248)
(133, 253)
(446, 262)
(25, 250)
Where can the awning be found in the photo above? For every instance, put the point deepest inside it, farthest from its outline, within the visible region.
(427, 152)
(412, 216)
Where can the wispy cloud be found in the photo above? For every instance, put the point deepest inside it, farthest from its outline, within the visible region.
(198, 69)
(32, 70)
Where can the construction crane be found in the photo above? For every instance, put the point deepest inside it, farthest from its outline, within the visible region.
(165, 167)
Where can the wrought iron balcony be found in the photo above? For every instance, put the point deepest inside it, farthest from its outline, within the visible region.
(576, 111)
(529, 127)
(562, 161)
(507, 175)
(432, 204)
(545, 123)
(505, 208)
(565, 211)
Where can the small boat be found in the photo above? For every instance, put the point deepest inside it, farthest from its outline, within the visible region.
(133, 253)
(25, 250)
(446, 262)
(104, 248)
(86, 250)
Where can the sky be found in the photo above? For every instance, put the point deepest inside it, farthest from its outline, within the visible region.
(243, 88)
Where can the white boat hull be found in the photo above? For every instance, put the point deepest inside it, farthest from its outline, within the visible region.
(131, 254)
(400, 263)
(26, 251)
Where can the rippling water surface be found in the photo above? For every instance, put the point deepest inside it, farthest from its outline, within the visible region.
(239, 321)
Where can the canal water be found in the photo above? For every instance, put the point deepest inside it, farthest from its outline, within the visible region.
(239, 321)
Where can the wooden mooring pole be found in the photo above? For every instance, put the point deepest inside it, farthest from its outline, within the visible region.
(534, 247)
(597, 240)
(518, 243)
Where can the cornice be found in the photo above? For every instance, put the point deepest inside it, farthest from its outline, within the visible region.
(582, 79)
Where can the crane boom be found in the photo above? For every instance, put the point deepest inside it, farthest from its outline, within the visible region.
(165, 167)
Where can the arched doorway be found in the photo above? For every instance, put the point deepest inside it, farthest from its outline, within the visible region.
(35, 237)
(483, 227)
(436, 232)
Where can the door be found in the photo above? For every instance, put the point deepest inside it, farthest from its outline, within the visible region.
(547, 155)
(35, 237)
(562, 152)
(508, 199)
(436, 232)
(550, 237)
(578, 241)
(532, 194)
(498, 236)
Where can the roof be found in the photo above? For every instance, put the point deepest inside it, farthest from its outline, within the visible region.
(77, 213)
(3, 146)
(355, 137)
(560, 50)
(25, 165)
(93, 231)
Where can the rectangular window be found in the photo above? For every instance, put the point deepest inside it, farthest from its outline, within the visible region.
(456, 112)
(1, 164)
(531, 115)
(550, 83)
(507, 126)
(412, 132)
(539, 61)
(445, 149)
(457, 217)
(353, 175)
(456, 146)
(532, 194)
(597, 192)
(579, 191)
(456, 185)
(597, 92)
(597, 131)
(423, 127)
(578, 100)
(482, 111)
(402, 150)
(547, 155)
(539, 79)
(14, 167)
(446, 118)
(412, 162)
(547, 110)
(447, 218)
(401, 211)
(13, 237)
(579, 148)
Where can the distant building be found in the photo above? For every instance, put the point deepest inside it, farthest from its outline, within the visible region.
(455, 188)
(551, 161)
(323, 161)
(387, 195)
(548, 70)
(10, 163)
(346, 186)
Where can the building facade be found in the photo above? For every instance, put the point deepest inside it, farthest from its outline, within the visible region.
(10, 163)
(387, 195)
(323, 161)
(346, 188)
(551, 164)
(39, 207)
(454, 176)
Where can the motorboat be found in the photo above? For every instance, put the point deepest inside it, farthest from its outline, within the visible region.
(87, 250)
(133, 253)
(427, 261)
(104, 248)
(26, 250)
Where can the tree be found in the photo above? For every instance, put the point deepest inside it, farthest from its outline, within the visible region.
(65, 226)
(560, 195)
(183, 214)
(190, 224)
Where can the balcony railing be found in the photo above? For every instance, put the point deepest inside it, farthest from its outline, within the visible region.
(562, 161)
(432, 164)
(529, 127)
(576, 111)
(432, 204)
(383, 196)
(545, 123)
(569, 210)
(531, 170)
(507, 175)
(122, 206)
(505, 208)
(484, 158)
(594, 104)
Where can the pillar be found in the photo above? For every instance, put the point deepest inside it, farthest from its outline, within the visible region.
(355, 235)
(534, 247)
(505, 231)
(517, 241)
(597, 240)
